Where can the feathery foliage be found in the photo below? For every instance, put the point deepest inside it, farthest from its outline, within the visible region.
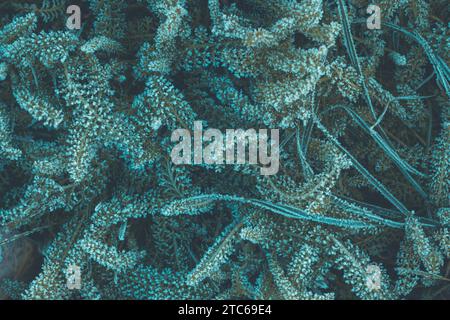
(86, 177)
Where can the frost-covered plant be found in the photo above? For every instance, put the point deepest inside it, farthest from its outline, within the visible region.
(86, 177)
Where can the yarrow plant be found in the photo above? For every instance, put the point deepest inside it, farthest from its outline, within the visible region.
(356, 203)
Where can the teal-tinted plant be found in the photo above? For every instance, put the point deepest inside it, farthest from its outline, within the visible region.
(86, 177)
